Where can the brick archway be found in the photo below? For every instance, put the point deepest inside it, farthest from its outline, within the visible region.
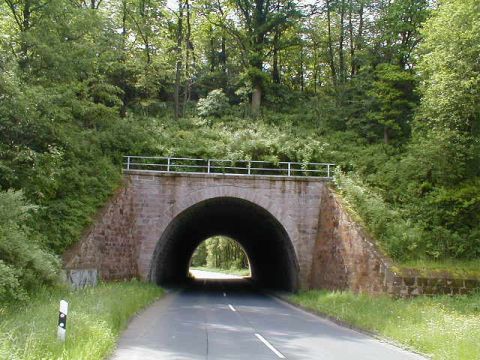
(272, 256)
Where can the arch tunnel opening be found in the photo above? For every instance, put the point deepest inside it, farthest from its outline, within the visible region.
(219, 256)
(267, 245)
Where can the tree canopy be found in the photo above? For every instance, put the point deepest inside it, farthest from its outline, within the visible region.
(388, 90)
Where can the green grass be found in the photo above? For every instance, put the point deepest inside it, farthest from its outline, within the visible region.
(442, 327)
(238, 272)
(96, 317)
(453, 268)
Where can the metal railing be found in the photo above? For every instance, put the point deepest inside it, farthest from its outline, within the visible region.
(228, 167)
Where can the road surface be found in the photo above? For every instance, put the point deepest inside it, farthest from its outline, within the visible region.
(211, 320)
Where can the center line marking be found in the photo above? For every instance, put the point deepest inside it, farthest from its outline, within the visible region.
(270, 346)
(231, 307)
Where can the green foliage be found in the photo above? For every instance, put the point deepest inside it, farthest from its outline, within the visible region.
(220, 252)
(199, 257)
(96, 317)
(398, 236)
(451, 87)
(10, 287)
(76, 94)
(400, 199)
(233, 137)
(392, 100)
(24, 265)
(67, 166)
(453, 218)
(214, 105)
(442, 327)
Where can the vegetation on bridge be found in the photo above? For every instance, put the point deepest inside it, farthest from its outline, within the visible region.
(387, 90)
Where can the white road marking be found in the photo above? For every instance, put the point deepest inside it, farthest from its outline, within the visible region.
(231, 308)
(270, 346)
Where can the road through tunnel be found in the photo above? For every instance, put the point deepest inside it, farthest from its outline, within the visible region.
(265, 241)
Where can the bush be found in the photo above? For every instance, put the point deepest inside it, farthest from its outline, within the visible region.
(23, 264)
(214, 105)
(398, 236)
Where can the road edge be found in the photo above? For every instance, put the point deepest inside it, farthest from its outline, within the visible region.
(167, 293)
(283, 298)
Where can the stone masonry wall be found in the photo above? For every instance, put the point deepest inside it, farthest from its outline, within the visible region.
(345, 257)
(123, 240)
(332, 250)
(109, 245)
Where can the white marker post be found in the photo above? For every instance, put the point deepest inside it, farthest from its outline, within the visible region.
(62, 320)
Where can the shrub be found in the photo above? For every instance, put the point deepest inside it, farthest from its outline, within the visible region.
(398, 236)
(214, 105)
(23, 264)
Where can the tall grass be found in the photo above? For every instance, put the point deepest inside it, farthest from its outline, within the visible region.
(444, 327)
(96, 317)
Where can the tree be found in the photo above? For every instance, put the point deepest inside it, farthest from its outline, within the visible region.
(450, 108)
(398, 26)
(393, 100)
(25, 14)
(178, 63)
(258, 20)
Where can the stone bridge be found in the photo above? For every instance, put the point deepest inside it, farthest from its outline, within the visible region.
(293, 229)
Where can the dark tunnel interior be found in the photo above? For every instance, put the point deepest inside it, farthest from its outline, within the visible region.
(265, 241)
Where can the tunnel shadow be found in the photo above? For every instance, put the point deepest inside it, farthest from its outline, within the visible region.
(237, 286)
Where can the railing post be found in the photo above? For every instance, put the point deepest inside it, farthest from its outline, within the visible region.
(328, 171)
(249, 166)
(208, 166)
(128, 162)
(289, 168)
(168, 164)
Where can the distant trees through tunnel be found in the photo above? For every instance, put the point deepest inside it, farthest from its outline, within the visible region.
(221, 253)
(267, 246)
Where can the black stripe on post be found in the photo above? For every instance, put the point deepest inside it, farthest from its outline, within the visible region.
(62, 320)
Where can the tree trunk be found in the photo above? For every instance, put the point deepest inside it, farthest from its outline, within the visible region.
(24, 28)
(256, 99)
(385, 135)
(302, 72)
(223, 55)
(330, 46)
(212, 49)
(352, 41)
(178, 70)
(341, 54)
(315, 66)
(275, 70)
(359, 40)
(123, 108)
(188, 49)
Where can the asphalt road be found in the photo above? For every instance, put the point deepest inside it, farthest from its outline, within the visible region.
(227, 319)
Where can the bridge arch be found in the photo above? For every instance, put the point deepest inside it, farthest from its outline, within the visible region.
(265, 240)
